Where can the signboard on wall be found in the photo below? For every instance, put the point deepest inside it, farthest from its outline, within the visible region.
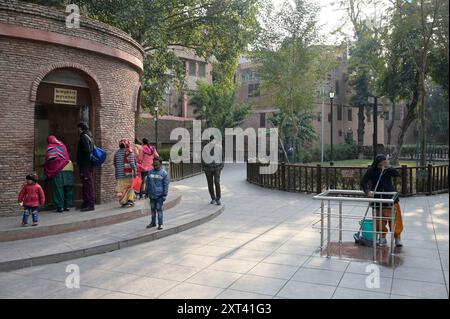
(65, 96)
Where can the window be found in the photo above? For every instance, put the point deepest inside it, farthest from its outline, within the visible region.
(336, 86)
(339, 115)
(192, 68)
(386, 116)
(253, 90)
(262, 120)
(202, 70)
(340, 133)
(350, 115)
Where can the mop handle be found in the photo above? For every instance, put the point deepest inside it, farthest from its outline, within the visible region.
(368, 206)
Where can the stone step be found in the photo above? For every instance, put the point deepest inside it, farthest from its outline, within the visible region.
(52, 223)
(83, 243)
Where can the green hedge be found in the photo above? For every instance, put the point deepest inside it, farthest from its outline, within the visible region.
(340, 152)
(164, 153)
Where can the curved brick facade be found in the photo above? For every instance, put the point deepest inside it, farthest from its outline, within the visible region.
(110, 63)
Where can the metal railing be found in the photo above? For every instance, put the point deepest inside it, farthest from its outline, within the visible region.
(302, 178)
(344, 199)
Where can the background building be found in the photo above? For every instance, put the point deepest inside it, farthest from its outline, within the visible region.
(345, 117)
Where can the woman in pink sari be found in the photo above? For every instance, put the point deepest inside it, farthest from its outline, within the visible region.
(59, 169)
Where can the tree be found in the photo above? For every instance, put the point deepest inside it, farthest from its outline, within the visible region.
(209, 28)
(216, 104)
(422, 18)
(437, 114)
(290, 62)
(366, 60)
(298, 130)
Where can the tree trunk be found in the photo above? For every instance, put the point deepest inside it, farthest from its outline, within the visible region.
(423, 121)
(391, 124)
(406, 122)
(361, 125)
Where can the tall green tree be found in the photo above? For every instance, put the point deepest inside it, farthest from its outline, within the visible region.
(217, 106)
(290, 62)
(422, 18)
(367, 59)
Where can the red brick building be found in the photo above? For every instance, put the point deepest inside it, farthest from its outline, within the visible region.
(51, 77)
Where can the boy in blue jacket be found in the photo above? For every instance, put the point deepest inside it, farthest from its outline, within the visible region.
(157, 187)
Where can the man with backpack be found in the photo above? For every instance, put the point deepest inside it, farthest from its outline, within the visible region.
(84, 151)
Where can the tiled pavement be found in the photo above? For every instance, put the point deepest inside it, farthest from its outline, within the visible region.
(262, 246)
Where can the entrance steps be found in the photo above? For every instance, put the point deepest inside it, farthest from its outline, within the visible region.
(102, 238)
(52, 223)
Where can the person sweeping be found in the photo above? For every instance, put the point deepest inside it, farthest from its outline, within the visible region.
(380, 174)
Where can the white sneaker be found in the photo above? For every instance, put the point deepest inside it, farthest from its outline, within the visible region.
(398, 242)
(382, 242)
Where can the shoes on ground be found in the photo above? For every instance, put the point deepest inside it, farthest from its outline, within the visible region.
(87, 209)
(382, 242)
(59, 210)
(151, 225)
(213, 201)
(218, 202)
(398, 242)
(160, 227)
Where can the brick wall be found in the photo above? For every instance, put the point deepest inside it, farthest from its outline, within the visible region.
(113, 84)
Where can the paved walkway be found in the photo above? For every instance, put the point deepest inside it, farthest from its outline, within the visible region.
(262, 246)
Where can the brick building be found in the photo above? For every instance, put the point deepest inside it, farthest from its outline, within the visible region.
(345, 118)
(51, 77)
(196, 68)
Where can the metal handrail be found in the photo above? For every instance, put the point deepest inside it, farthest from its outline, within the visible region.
(376, 203)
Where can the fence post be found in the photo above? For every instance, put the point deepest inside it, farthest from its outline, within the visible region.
(182, 169)
(430, 179)
(319, 179)
(283, 176)
(404, 180)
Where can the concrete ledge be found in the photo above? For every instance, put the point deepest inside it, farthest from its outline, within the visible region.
(20, 233)
(139, 238)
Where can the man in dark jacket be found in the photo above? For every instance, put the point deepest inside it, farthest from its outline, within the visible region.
(85, 147)
(380, 175)
(212, 169)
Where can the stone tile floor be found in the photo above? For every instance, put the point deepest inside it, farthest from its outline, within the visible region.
(262, 246)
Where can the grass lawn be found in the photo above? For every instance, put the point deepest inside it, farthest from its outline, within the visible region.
(365, 163)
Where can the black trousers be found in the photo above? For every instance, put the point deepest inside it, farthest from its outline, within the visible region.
(213, 179)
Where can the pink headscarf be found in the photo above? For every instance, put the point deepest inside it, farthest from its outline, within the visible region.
(56, 157)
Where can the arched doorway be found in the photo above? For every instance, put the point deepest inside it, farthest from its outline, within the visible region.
(64, 98)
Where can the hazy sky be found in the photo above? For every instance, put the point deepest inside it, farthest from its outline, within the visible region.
(331, 16)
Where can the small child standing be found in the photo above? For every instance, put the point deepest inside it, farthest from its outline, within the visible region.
(157, 189)
(31, 196)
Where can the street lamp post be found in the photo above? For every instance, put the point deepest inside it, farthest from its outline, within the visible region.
(156, 127)
(331, 132)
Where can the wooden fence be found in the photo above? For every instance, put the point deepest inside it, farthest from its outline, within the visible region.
(316, 179)
(178, 171)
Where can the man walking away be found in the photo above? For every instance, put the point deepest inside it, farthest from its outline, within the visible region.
(85, 147)
(212, 166)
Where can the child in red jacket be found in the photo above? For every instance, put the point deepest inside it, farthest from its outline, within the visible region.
(31, 196)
